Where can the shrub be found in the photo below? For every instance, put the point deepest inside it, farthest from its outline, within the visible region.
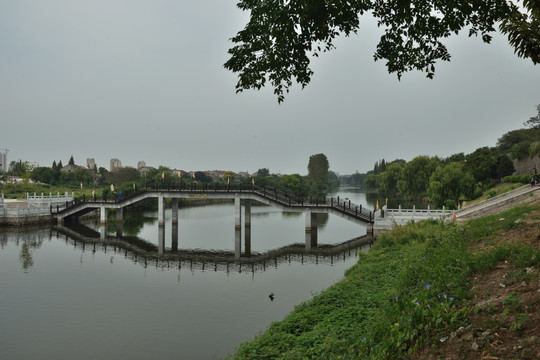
(522, 179)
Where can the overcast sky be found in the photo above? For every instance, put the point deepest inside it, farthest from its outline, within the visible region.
(144, 80)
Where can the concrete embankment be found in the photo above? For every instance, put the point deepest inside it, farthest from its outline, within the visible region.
(20, 213)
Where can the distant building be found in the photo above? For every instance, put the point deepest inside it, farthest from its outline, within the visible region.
(216, 174)
(115, 164)
(4, 166)
(72, 167)
(90, 163)
(141, 166)
(144, 169)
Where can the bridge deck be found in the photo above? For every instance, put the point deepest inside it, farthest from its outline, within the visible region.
(284, 201)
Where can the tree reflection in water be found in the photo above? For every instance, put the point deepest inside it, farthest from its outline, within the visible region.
(25, 257)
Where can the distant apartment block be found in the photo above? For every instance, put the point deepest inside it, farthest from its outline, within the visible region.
(141, 166)
(4, 166)
(115, 164)
(90, 163)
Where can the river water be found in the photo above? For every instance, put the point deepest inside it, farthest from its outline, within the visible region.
(66, 293)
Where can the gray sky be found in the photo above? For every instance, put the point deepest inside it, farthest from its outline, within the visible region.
(144, 80)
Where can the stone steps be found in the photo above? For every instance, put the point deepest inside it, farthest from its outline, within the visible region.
(498, 201)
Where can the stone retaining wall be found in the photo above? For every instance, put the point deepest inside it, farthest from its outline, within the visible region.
(22, 220)
(527, 165)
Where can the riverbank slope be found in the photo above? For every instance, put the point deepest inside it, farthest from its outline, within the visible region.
(425, 291)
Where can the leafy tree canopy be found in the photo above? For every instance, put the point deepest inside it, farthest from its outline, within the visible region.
(514, 137)
(263, 172)
(202, 177)
(318, 168)
(534, 121)
(281, 35)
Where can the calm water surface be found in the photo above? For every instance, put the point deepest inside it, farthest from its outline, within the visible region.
(75, 296)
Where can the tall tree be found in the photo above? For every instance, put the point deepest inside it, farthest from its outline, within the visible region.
(294, 184)
(71, 161)
(415, 176)
(505, 166)
(449, 183)
(482, 163)
(318, 168)
(263, 172)
(534, 121)
(281, 36)
(387, 181)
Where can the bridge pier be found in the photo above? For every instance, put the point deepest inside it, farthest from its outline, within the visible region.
(119, 215)
(247, 227)
(237, 243)
(174, 205)
(237, 227)
(237, 213)
(174, 236)
(102, 215)
(119, 229)
(311, 230)
(161, 211)
(311, 221)
(161, 240)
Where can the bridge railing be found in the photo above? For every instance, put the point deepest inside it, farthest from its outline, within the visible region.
(47, 199)
(272, 194)
(418, 212)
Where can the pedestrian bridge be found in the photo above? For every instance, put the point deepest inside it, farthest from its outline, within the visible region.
(242, 196)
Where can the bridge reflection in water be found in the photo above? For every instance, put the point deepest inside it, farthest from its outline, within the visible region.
(145, 253)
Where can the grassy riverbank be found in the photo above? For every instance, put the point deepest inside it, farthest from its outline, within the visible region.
(416, 293)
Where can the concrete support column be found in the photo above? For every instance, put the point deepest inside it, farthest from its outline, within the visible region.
(161, 211)
(237, 213)
(174, 205)
(311, 230)
(311, 240)
(311, 221)
(247, 227)
(174, 237)
(237, 243)
(102, 231)
(103, 215)
(119, 229)
(370, 230)
(119, 215)
(161, 240)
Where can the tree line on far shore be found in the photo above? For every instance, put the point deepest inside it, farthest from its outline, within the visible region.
(439, 181)
(318, 182)
(447, 181)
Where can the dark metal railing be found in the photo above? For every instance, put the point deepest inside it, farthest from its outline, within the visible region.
(271, 194)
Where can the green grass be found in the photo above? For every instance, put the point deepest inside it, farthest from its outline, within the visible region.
(498, 189)
(409, 290)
